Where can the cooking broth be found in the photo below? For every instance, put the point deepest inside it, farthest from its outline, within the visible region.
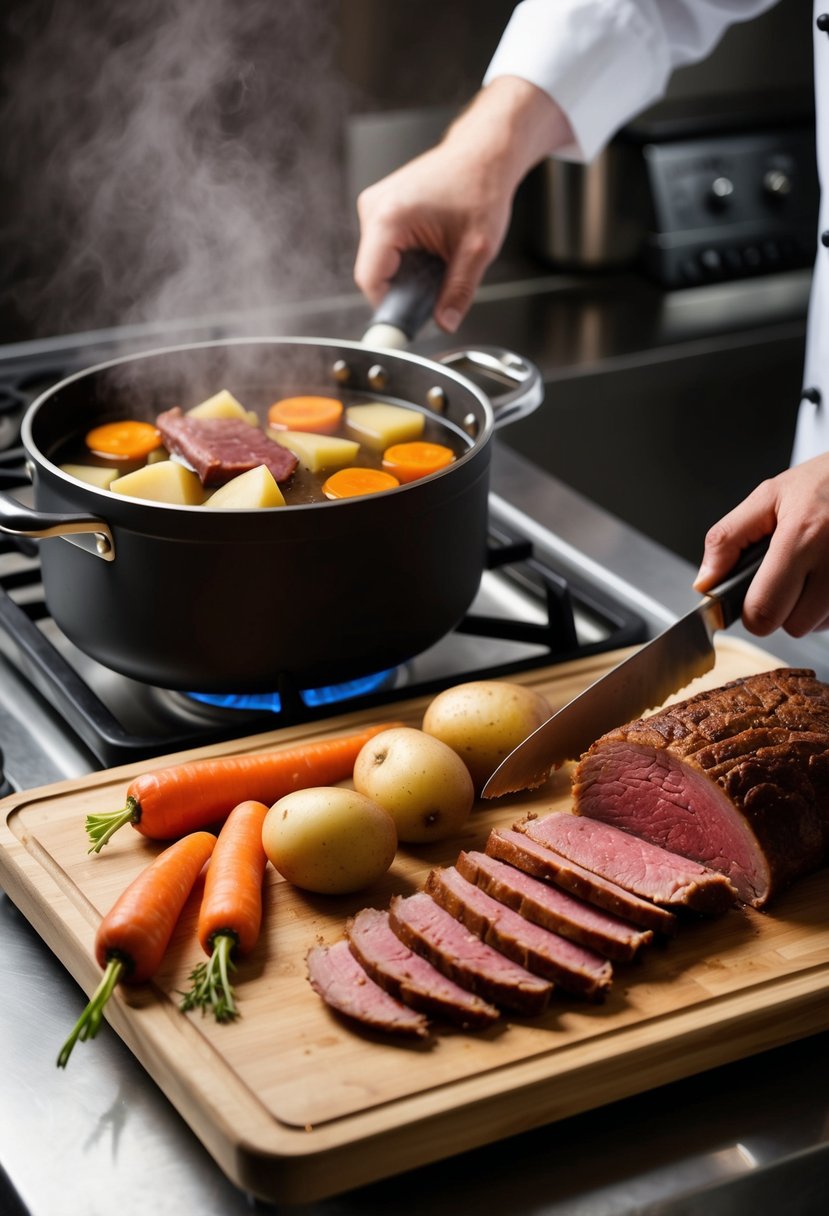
(303, 486)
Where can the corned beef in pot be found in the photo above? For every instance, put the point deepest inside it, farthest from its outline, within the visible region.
(736, 778)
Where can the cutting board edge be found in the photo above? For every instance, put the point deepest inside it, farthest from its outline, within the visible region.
(320, 1163)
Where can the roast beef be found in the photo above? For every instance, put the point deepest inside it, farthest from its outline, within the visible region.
(736, 778)
(521, 851)
(553, 908)
(343, 984)
(219, 449)
(431, 931)
(644, 869)
(409, 977)
(570, 966)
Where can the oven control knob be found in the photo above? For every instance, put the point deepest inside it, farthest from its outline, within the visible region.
(720, 193)
(777, 183)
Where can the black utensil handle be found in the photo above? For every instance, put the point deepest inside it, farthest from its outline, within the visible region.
(731, 592)
(408, 303)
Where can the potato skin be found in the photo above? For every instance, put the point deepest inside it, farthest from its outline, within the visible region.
(422, 783)
(329, 839)
(483, 720)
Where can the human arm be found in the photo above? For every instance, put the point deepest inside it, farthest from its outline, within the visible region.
(455, 200)
(565, 76)
(791, 589)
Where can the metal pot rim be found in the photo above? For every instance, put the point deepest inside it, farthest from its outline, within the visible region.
(466, 385)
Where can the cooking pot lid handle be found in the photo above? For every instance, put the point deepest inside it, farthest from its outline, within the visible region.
(489, 366)
(19, 520)
(408, 303)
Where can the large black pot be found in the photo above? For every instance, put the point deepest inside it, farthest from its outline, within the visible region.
(229, 601)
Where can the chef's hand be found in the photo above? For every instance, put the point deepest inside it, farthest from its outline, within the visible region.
(455, 200)
(791, 588)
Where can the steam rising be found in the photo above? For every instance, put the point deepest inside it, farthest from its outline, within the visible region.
(176, 159)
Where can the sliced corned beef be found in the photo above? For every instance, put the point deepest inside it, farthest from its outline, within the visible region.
(565, 963)
(342, 983)
(553, 908)
(429, 930)
(519, 850)
(736, 777)
(411, 978)
(219, 449)
(644, 869)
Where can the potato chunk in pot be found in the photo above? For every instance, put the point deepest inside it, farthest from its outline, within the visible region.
(166, 481)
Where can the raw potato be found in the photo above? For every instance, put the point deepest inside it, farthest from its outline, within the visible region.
(329, 839)
(255, 488)
(422, 783)
(484, 720)
(166, 481)
(317, 452)
(93, 475)
(378, 425)
(223, 405)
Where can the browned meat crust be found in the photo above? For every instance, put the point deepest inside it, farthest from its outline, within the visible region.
(736, 777)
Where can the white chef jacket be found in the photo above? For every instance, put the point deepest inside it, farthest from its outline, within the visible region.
(604, 61)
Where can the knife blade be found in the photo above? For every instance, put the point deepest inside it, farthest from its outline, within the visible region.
(661, 667)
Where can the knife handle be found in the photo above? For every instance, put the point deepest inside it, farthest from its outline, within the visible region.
(731, 592)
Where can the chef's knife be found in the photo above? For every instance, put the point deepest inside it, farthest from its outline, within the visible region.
(641, 682)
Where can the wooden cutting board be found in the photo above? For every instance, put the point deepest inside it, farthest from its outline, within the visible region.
(293, 1104)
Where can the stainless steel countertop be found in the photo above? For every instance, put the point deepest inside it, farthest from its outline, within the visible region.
(101, 1138)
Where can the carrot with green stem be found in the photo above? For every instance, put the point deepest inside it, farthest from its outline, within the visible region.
(134, 935)
(230, 916)
(166, 803)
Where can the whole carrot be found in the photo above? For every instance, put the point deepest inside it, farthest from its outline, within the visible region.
(134, 934)
(230, 916)
(170, 802)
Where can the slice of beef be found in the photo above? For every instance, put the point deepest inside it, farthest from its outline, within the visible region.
(736, 777)
(429, 930)
(553, 908)
(342, 983)
(565, 963)
(219, 449)
(410, 978)
(644, 869)
(527, 855)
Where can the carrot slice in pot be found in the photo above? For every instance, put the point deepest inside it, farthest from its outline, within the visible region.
(411, 461)
(353, 482)
(320, 415)
(126, 440)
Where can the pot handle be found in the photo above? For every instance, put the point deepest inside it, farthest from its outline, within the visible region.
(87, 531)
(408, 303)
(524, 390)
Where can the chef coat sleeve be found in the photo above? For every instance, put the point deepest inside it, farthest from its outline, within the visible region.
(603, 61)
